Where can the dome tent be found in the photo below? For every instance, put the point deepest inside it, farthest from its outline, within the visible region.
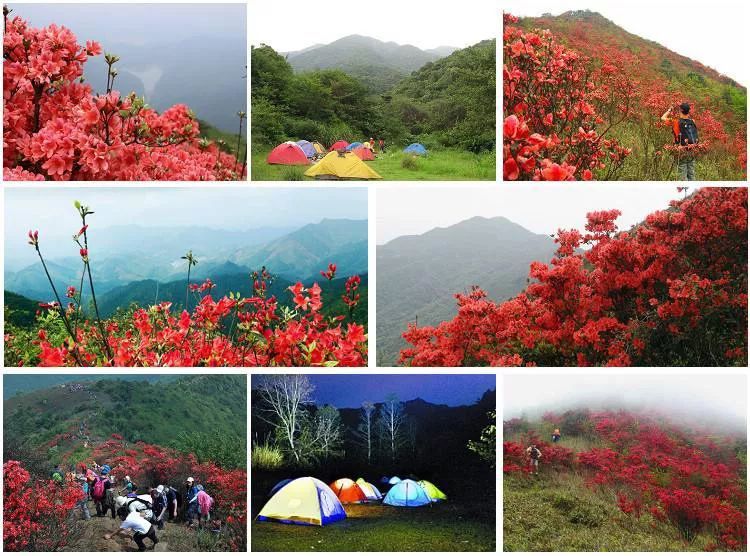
(303, 501)
(406, 493)
(340, 144)
(354, 145)
(342, 166)
(432, 491)
(370, 490)
(289, 153)
(363, 153)
(347, 491)
(319, 149)
(278, 486)
(416, 148)
(307, 147)
(393, 480)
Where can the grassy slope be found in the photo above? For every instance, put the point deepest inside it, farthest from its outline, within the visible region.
(440, 165)
(558, 512)
(230, 139)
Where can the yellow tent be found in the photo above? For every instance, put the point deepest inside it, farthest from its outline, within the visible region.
(342, 166)
(320, 149)
(304, 501)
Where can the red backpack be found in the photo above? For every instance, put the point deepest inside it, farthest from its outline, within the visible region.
(98, 491)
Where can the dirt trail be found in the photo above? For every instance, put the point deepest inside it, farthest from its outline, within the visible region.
(91, 537)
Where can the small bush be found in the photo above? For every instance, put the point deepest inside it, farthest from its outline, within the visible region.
(266, 456)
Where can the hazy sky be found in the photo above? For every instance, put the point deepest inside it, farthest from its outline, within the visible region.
(51, 211)
(698, 396)
(424, 24)
(713, 33)
(347, 390)
(139, 24)
(541, 209)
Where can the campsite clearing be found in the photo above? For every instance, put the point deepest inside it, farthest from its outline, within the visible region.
(393, 165)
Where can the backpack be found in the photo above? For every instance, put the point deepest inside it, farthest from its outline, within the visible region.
(98, 492)
(535, 453)
(688, 132)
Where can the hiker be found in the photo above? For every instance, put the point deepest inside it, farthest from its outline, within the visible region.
(129, 487)
(141, 528)
(172, 502)
(205, 504)
(57, 474)
(381, 145)
(83, 503)
(126, 505)
(109, 493)
(685, 133)
(98, 489)
(191, 502)
(556, 435)
(534, 455)
(159, 506)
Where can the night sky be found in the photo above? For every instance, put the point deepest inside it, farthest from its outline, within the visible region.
(347, 391)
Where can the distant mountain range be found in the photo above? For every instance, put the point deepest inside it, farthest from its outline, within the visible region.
(207, 75)
(419, 275)
(379, 65)
(127, 264)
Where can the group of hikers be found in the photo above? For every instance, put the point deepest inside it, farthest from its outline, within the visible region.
(140, 514)
(535, 454)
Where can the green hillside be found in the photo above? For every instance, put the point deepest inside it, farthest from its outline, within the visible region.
(19, 310)
(160, 413)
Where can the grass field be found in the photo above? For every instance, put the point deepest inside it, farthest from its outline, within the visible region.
(558, 512)
(465, 522)
(439, 165)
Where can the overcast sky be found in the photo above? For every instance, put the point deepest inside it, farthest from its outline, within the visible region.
(138, 24)
(422, 23)
(541, 209)
(700, 397)
(713, 33)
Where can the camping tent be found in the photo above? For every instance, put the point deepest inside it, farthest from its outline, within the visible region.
(304, 501)
(370, 490)
(307, 148)
(348, 491)
(342, 166)
(416, 148)
(364, 154)
(353, 146)
(432, 491)
(393, 480)
(406, 493)
(320, 149)
(278, 486)
(340, 144)
(289, 153)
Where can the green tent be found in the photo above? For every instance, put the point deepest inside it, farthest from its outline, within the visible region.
(432, 491)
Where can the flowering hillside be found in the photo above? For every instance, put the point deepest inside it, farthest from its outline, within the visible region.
(56, 128)
(671, 291)
(582, 100)
(674, 488)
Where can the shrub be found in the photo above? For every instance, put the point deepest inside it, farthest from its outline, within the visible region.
(266, 456)
(410, 163)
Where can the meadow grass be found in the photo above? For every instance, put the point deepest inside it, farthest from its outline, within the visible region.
(266, 456)
(439, 165)
(559, 512)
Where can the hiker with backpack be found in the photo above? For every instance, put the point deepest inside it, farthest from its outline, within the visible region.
(83, 503)
(191, 502)
(57, 474)
(205, 505)
(139, 525)
(159, 506)
(534, 455)
(99, 494)
(556, 436)
(173, 502)
(128, 487)
(685, 133)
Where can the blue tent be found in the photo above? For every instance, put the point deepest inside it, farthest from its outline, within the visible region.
(353, 146)
(416, 148)
(278, 486)
(307, 148)
(393, 480)
(406, 493)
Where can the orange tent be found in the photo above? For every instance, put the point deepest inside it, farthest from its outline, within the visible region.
(364, 153)
(340, 144)
(348, 491)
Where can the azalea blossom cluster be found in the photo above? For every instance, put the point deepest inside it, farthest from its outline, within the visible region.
(558, 109)
(56, 128)
(670, 291)
(676, 476)
(35, 511)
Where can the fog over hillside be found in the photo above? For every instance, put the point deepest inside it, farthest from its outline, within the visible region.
(172, 53)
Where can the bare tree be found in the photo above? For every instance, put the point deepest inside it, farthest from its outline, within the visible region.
(391, 424)
(365, 428)
(326, 434)
(283, 398)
